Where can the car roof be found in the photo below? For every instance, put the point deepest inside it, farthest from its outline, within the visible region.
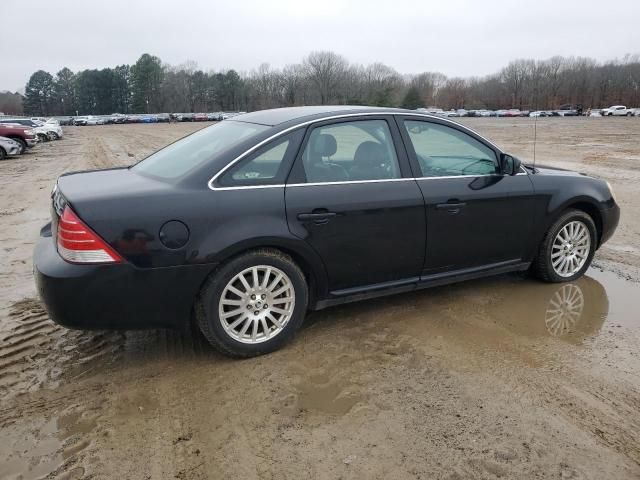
(277, 116)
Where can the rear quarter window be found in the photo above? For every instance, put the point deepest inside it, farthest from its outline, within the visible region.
(192, 151)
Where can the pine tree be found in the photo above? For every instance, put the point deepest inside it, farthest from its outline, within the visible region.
(39, 94)
(146, 80)
(412, 99)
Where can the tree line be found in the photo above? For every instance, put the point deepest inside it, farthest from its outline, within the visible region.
(149, 86)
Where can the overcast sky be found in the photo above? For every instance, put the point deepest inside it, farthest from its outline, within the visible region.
(455, 37)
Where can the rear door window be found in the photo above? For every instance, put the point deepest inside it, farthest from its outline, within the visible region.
(359, 150)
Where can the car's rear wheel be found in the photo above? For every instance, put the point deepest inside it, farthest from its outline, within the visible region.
(253, 304)
(2, 153)
(567, 248)
(43, 137)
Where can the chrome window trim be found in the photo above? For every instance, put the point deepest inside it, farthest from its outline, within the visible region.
(351, 182)
(334, 117)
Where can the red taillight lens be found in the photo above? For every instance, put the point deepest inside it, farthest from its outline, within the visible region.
(77, 243)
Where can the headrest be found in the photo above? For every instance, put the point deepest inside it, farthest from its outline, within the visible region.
(369, 153)
(324, 145)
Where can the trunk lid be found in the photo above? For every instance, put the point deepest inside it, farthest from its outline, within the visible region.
(122, 207)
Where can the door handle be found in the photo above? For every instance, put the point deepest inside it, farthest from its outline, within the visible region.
(317, 218)
(451, 207)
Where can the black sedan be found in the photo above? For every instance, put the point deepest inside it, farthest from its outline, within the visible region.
(245, 225)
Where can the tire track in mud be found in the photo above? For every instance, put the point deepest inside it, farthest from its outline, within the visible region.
(36, 353)
(60, 426)
(606, 408)
(600, 406)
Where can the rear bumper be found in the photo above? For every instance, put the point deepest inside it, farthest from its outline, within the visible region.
(116, 296)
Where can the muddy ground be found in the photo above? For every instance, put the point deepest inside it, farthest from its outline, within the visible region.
(498, 378)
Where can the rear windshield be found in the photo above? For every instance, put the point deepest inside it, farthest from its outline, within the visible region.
(178, 158)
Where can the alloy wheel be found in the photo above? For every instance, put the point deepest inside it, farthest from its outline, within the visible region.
(256, 304)
(570, 249)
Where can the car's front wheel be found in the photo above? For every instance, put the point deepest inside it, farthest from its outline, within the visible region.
(567, 248)
(23, 144)
(253, 304)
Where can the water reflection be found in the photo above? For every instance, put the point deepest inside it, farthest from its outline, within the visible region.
(496, 306)
(565, 309)
(571, 311)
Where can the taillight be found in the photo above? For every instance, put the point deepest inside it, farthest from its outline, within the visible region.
(77, 243)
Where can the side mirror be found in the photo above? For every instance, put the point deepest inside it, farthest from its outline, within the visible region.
(510, 165)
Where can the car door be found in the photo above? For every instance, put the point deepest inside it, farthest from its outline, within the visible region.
(352, 197)
(476, 215)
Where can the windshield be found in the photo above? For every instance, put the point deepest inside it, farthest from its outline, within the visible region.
(178, 158)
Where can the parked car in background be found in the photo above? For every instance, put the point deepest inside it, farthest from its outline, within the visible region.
(485, 113)
(64, 121)
(568, 110)
(212, 117)
(44, 132)
(9, 147)
(617, 111)
(431, 110)
(200, 117)
(80, 121)
(52, 127)
(541, 113)
(314, 207)
(163, 117)
(25, 136)
(187, 117)
(94, 120)
(118, 118)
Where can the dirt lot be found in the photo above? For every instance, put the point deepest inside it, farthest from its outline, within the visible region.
(478, 380)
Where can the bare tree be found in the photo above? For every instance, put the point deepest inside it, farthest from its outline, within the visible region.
(326, 77)
(326, 70)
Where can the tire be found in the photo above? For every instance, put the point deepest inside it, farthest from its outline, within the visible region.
(23, 144)
(53, 136)
(629, 114)
(235, 335)
(43, 138)
(543, 265)
(3, 154)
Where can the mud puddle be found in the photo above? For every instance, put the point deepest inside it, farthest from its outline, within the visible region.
(48, 448)
(462, 371)
(492, 313)
(506, 306)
